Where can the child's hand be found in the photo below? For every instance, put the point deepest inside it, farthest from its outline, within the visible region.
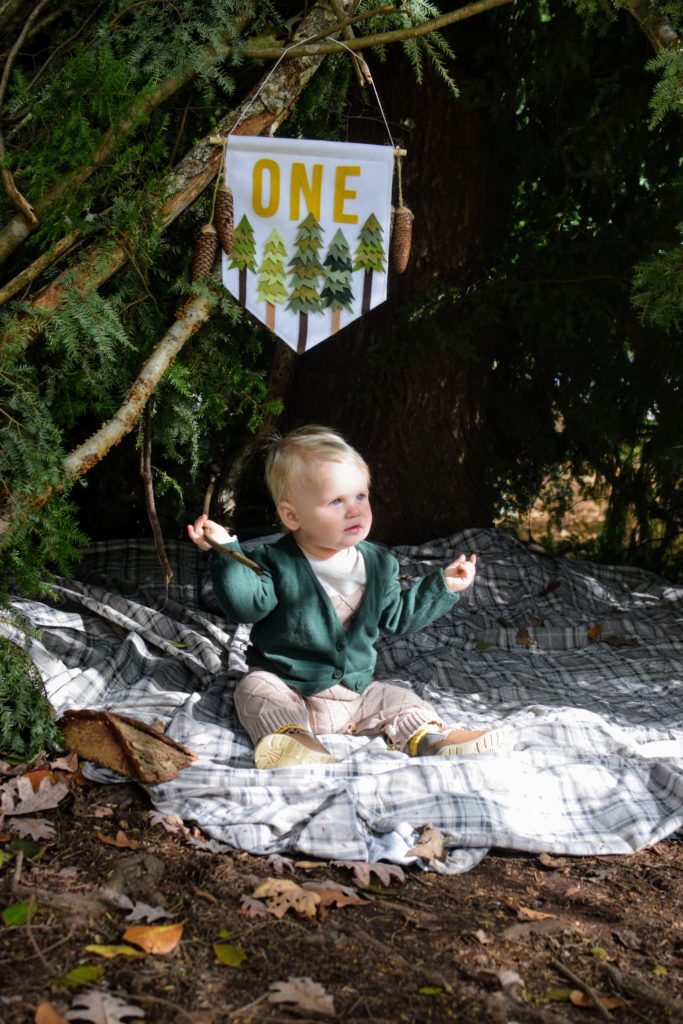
(461, 573)
(196, 531)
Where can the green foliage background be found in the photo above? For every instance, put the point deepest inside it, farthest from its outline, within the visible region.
(584, 296)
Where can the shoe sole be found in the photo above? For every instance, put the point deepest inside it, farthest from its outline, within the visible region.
(280, 750)
(488, 743)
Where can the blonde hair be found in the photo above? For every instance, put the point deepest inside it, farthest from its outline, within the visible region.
(291, 455)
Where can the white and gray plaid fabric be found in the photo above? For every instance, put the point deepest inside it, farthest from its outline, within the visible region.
(596, 721)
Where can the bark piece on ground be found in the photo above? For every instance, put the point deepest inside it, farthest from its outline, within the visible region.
(124, 744)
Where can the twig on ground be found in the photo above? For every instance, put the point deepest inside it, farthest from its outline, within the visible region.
(585, 988)
(636, 987)
(247, 1008)
(32, 939)
(17, 872)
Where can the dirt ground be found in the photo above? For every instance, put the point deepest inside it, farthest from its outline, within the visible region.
(520, 938)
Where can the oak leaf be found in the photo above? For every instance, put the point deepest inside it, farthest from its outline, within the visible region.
(338, 895)
(362, 871)
(36, 828)
(430, 846)
(281, 895)
(101, 1008)
(26, 800)
(305, 994)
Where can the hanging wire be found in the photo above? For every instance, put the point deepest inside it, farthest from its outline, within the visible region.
(292, 46)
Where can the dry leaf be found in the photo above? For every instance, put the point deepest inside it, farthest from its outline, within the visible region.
(252, 907)
(29, 801)
(278, 863)
(594, 633)
(306, 994)
(552, 862)
(171, 822)
(101, 1008)
(144, 912)
(524, 638)
(430, 846)
(69, 763)
(363, 871)
(579, 998)
(102, 812)
(281, 895)
(528, 914)
(482, 936)
(155, 938)
(46, 1014)
(511, 983)
(36, 828)
(121, 840)
(338, 895)
(111, 952)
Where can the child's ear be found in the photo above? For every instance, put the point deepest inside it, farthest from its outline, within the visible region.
(288, 515)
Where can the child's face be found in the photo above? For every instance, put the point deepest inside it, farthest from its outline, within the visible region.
(329, 508)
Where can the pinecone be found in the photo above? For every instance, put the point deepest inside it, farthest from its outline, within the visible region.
(204, 252)
(224, 218)
(401, 238)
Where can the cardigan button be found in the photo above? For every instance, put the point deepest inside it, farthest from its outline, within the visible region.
(337, 674)
(341, 645)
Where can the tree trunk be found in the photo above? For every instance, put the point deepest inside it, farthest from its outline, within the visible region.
(400, 393)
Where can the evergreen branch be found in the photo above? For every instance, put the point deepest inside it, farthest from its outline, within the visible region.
(17, 230)
(197, 169)
(380, 38)
(82, 459)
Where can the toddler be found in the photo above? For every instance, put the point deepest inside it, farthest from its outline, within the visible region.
(324, 596)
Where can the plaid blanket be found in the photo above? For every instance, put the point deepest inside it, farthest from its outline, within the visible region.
(582, 662)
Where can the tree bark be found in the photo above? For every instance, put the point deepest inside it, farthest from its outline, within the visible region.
(399, 392)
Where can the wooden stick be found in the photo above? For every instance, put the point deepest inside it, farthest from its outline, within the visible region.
(585, 988)
(231, 553)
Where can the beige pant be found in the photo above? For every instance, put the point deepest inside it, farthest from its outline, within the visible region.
(264, 704)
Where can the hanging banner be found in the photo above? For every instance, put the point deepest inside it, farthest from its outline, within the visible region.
(310, 253)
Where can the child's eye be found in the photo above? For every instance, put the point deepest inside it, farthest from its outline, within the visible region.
(336, 501)
(361, 497)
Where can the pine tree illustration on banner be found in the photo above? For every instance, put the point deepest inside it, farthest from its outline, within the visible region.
(271, 281)
(370, 256)
(305, 272)
(312, 217)
(244, 255)
(337, 293)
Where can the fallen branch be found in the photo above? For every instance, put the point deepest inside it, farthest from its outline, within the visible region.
(587, 989)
